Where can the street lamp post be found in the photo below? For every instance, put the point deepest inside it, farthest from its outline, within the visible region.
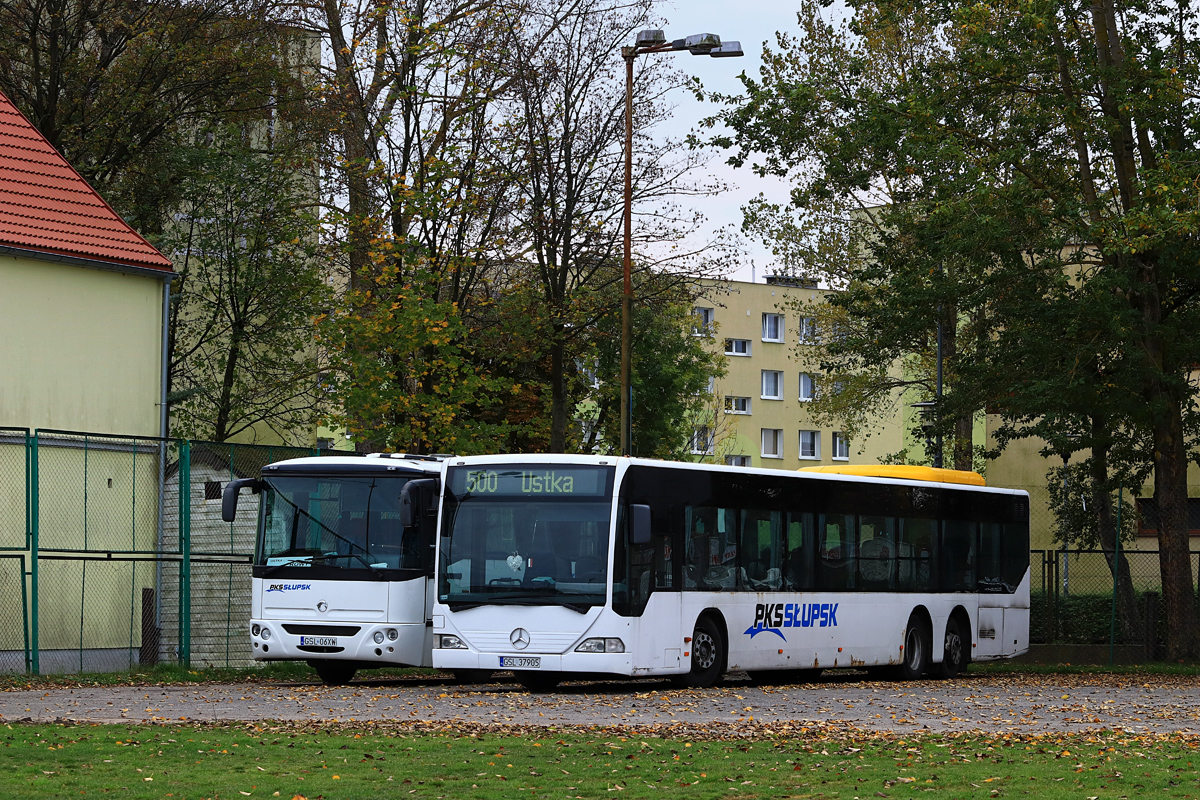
(649, 41)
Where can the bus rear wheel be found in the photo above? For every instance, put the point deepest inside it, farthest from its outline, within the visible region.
(956, 656)
(708, 655)
(915, 657)
(334, 673)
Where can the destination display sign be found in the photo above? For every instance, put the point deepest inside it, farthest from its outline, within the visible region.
(530, 481)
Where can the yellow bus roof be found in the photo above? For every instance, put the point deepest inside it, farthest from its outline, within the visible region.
(903, 472)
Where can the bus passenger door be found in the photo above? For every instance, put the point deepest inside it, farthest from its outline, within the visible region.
(653, 574)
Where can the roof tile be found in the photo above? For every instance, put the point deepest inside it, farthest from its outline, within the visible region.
(46, 206)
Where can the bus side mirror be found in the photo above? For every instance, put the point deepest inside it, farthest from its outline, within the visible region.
(411, 497)
(229, 497)
(639, 519)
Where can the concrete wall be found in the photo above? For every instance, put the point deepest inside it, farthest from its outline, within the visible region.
(81, 348)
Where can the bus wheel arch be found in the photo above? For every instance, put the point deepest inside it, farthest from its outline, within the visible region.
(915, 650)
(956, 645)
(709, 651)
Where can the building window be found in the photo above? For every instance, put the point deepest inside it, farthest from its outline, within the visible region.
(737, 347)
(772, 384)
(772, 328)
(806, 386)
(737, 405)
(1147, 511)
(810, 444)
(212, 490)
(772, 443)
(808, 330)
(712, 384)
(702, 441)
(737, 461)
(841, 447)
(702, 322)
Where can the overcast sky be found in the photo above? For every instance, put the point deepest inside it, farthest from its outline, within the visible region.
(752, 22)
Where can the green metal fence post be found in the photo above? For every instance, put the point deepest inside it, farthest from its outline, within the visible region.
(34, 659)
(1112, 623)
(185, 548)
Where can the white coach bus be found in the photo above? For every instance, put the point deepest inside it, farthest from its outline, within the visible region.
(343, 567)
(559, 565)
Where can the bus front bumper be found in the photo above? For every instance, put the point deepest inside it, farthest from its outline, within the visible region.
(606, 663)
(271, 640)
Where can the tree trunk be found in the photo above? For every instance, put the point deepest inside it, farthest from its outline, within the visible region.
(221, 429)
(558, 393)
(1175, 560)
(1127, 609)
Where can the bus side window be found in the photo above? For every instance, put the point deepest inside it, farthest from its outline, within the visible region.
(916, 554)
(798, 568)
(760, 566)
(711, 558)
(877, 553)
(835, 549)
(957, 556)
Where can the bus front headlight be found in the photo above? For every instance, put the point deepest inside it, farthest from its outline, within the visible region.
(609, 645)
(451, 642)
(378, 637)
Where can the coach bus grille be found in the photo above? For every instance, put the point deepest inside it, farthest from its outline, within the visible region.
(321, 630)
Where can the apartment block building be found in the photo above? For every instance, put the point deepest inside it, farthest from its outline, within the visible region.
(760, 415)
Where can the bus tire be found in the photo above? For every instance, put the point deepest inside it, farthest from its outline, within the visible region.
(915, 658)
(334, 673)
(471, 675)
(708, 655)
(538, 682)
(955, 654)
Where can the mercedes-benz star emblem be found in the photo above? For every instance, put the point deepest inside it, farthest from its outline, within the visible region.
(322, 606)
(519, 638)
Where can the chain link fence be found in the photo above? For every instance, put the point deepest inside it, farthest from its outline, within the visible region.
(1074, 598)
(105, 565)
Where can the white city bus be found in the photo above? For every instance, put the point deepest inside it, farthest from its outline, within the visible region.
(343, 567)
(553, 565)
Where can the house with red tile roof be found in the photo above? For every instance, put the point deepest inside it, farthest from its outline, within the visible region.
(82, 298)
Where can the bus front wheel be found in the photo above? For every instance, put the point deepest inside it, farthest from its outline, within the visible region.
(334, 673)
(708, 655)
(915, 657)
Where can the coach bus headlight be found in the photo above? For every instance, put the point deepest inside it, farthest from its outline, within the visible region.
(254, 629)
(450, 642)
(378, 637)
(266, 633)
(392, 634)
(610, 645)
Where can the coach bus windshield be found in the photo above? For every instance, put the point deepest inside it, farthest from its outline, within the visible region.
(348, 521)
(525, 535)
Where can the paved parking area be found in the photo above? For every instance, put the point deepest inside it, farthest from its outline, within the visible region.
(1019, 703)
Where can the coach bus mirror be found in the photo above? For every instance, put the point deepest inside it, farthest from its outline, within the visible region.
(411, 497)
(639, 517)
(229, 498)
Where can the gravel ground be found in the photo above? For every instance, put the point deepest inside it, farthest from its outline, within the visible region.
(1018, 703)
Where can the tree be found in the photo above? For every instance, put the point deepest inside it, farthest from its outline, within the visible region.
(250, 284)
(1041, 163)
(116, 86)
(566, 140)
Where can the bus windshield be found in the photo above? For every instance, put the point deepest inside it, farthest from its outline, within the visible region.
(350, 521)
(525, 535)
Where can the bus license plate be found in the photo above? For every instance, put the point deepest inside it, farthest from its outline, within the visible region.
(525, 662)
(319, 641)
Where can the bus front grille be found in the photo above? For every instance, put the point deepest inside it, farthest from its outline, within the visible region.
(321, 630)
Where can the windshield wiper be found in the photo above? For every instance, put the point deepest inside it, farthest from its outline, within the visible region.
(521, 599)
(365, 563)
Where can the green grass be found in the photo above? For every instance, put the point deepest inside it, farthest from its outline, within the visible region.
(480, 762)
